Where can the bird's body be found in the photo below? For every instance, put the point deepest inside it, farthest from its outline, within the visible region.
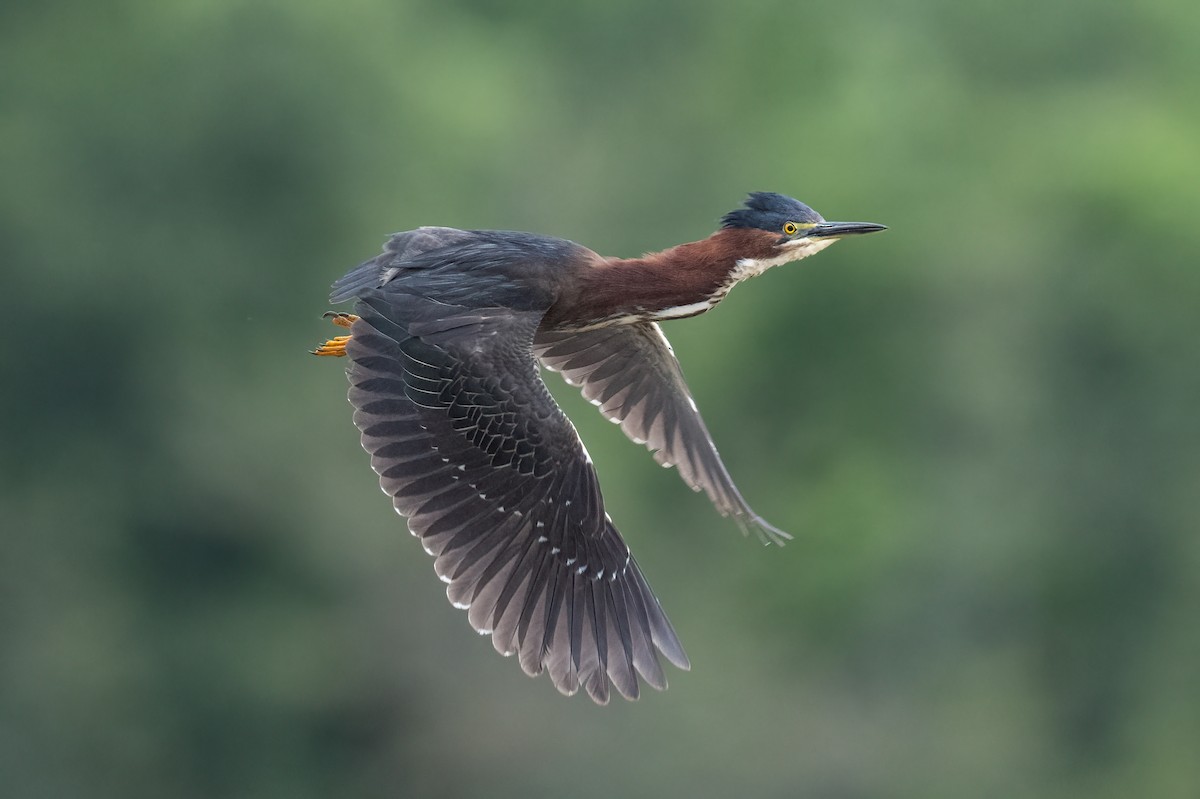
(490, 474)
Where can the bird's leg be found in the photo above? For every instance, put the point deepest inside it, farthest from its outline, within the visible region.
(336, 346)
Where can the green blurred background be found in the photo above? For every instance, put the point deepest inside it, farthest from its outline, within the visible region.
(981, 426)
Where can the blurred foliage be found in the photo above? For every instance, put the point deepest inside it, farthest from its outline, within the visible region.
(981, 426)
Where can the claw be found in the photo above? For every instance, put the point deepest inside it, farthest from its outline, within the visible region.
(340, 319)
(336, 346)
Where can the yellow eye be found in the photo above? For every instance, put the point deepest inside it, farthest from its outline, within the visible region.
(790, 228)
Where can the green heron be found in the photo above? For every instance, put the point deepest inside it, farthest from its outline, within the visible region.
(447, 332)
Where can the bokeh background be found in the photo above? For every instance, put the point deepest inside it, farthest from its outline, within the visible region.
(981, 426)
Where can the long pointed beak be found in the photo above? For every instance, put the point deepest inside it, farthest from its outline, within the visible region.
(835, 230)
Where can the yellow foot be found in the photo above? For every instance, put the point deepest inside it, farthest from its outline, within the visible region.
(336, 346)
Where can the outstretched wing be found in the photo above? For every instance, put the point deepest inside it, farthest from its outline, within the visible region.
(631, 374)
(497, 485)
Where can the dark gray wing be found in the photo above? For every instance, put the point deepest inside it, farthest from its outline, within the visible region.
(631, 374)
(497, 485)
(399, 250)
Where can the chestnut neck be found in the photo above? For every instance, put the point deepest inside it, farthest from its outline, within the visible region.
(681, 281)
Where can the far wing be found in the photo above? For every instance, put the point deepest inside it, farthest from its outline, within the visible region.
(495, 482)
(630, 372)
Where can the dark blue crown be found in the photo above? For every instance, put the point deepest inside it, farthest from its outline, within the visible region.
(767, 210)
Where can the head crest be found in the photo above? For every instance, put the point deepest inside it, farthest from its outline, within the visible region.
(767, 210)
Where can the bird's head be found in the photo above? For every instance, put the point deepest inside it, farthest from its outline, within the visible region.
(785, 230)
